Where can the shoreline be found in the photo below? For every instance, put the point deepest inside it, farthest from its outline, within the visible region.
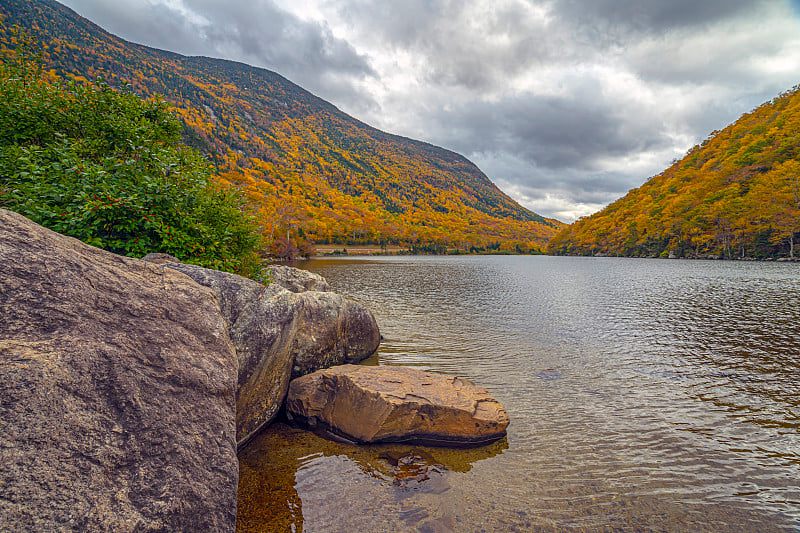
(367, 250)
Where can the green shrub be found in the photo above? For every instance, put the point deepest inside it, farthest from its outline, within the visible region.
(107, 167)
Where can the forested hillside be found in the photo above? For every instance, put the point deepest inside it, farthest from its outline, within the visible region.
(735, 195)
(308, 169)
(108, 168)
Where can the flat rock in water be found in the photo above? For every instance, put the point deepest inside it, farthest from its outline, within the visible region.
(396, 404)
(117, 390)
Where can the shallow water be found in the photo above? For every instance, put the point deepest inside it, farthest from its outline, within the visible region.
(644, 395)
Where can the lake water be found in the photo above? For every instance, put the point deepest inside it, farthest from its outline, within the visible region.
(644, 395)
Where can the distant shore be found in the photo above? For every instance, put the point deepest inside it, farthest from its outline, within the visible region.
(368, 250)
(343, 249)
(363, 250)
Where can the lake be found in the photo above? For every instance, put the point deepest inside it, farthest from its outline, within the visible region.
(644, 395)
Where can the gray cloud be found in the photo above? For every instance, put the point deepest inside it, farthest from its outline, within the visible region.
(474, 45)
(259, 33)
(619, 19)
(549, 132)
(293, 44)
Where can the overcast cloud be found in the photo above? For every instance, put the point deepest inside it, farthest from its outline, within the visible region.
(565, 104)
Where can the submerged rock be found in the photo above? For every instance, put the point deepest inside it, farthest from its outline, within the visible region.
(396, 404)
(117, 390)
(415, 469)
(280, 334)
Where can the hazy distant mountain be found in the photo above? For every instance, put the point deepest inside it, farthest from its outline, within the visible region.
(306, 166)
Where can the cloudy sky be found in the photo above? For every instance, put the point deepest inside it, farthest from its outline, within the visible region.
(565, 104)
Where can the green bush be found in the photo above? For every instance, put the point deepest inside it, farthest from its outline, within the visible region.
(107, 167)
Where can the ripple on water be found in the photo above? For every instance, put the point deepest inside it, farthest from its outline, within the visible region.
(643, 395)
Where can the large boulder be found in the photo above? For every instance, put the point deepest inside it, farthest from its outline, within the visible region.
(331, 330)
(117, 391)
(369, 404)
(279, 334)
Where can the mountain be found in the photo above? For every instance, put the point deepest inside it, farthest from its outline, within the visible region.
(735, 195)
(306, 167)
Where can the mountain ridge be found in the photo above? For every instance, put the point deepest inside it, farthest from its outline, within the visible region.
(307, 168)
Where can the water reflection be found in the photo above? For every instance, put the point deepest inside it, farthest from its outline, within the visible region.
(277, 471)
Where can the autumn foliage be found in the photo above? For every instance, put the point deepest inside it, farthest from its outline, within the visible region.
(307, 169)
(737, 195)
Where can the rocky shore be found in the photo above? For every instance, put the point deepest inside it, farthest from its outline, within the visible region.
(127, 386)
(283, 331)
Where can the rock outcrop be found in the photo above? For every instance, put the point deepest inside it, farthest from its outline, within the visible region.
(279, 334)
(117, 392)
(396, 404)
(297, 280)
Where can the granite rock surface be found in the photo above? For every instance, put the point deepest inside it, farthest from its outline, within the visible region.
(117, 392)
